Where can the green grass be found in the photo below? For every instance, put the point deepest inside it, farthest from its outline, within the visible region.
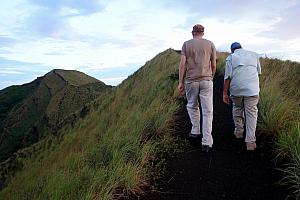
(280, 115)
(277, 112)
(289, 147)
(221, 62)
(289, 142)
(107, 153)
(12, 97)
(75, 77)
(28, 110)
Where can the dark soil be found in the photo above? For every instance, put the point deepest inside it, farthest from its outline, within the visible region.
(228, 171)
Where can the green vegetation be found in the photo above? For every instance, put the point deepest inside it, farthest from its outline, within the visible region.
(28, 111)
(280, 115)
(221, 62)
(112, 148)
(12, 96)
(74, 77)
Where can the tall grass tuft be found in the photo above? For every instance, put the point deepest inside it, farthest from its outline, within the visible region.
(275, 111)
(221, 62)
(279, 114)
(289, 142)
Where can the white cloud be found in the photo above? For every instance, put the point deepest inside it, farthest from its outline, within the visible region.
(5, 72)
(116, 34)
(113, 81)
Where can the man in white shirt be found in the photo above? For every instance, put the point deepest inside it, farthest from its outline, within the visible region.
(241, 78)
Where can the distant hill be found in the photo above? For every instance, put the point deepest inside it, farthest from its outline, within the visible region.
(29, 111)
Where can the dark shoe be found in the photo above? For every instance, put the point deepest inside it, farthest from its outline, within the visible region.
(194, 135)
(205, 148)
(238, 135)
(251, 146)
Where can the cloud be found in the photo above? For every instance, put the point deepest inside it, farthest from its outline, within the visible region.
(5, 72)
(111, 76)
(109, 39)
(13, 72)
(110, 72)
(286, 27)
(228, 12)
(6, 41)
(50, 18)
(18, 67)
(46, 23)
(73, 7)
(114, 80)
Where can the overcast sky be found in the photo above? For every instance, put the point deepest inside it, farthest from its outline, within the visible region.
(110, 39)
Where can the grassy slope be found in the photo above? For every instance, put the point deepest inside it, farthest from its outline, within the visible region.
(13, 96)
(20, 118)
(105, 150)
(280, 115)
(45, 103)
(75, 77)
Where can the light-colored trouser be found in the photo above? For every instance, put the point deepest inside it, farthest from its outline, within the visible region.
(245, 109)
(202, 90)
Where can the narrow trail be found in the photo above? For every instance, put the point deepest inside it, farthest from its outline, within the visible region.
(228, 171)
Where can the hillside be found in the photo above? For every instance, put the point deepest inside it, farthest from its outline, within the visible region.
(108, 148)
(12, 96)
(33, 110)
(120, 147)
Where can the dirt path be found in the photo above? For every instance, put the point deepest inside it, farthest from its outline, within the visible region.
(227, 172)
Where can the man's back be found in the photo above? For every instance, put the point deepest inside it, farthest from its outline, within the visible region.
(243, 68)
(199, 52)
(244, 57)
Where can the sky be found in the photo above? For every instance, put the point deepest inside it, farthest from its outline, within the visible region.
(111, 39)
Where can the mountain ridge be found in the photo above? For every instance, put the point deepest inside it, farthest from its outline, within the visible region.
(46, 103)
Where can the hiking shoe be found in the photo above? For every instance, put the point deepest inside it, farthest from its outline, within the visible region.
(250, 146)
(205, 148)
(194, 135)
(238, 135)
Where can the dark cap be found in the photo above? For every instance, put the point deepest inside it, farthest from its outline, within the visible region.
(198, 29)
(235, 46)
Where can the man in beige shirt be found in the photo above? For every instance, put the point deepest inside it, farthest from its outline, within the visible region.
(198, 57)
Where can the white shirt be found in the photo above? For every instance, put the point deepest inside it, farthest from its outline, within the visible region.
(243, 68)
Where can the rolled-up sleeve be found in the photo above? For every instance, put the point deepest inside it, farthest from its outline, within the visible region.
(258, 66)
(228, 69)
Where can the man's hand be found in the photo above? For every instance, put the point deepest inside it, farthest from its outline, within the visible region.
(181, 75)
(225, 90)
(181, 89)
(225, 98)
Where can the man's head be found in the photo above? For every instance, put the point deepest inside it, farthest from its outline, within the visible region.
(198, 30)
(235, 46)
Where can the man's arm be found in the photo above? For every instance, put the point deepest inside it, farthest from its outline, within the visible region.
(258, 66)
(213, 60)
(213, 64)
(227, 79)
(225, 90)
(181, 74)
